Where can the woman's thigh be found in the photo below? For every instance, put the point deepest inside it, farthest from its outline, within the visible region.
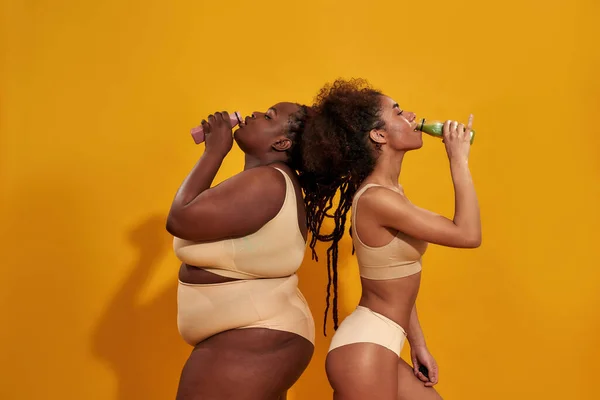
(363, 371)
(245, 364)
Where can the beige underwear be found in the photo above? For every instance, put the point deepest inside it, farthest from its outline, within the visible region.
(366, 326)
(274, 251)
(399, 258)
(203, 310)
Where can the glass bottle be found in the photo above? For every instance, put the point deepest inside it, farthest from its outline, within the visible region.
(435, 128)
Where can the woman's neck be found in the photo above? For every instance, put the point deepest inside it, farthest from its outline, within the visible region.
(251, 161)
(387, 169)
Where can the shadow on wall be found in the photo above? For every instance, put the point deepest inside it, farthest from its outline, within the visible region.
(140, 341)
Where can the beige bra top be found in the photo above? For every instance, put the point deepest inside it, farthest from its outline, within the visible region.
(399, 258)
(274, 251)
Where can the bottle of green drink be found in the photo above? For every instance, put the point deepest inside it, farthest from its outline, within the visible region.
(434, 128)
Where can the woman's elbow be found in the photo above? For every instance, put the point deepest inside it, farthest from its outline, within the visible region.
(473, 241)
(187, 227)
(173, 225)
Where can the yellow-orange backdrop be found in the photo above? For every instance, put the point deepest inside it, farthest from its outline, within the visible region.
(97, 102)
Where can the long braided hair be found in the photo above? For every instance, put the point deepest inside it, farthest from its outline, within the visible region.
(336, 156)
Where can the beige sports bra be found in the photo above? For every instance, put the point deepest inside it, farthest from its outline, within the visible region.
(274, 251)
(399, 258)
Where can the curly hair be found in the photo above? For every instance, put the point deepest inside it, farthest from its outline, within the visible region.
(295, 129)
(337, 155)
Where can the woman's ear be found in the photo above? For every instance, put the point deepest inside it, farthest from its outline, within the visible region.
(282, 144)
(378, 136)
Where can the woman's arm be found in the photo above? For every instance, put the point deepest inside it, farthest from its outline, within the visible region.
(239, 206)
(419, 353)
(394, 211)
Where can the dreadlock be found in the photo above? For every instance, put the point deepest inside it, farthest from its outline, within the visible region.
(336, 156)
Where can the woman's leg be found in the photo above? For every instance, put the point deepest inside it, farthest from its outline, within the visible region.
(244, 364)
(361, 371)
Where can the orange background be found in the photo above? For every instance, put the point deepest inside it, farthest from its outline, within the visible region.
(97, 99)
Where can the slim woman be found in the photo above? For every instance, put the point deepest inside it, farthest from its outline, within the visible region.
(371, 133)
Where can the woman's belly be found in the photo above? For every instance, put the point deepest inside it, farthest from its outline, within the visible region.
(197, 275)
(393, 298)
(204, 310)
